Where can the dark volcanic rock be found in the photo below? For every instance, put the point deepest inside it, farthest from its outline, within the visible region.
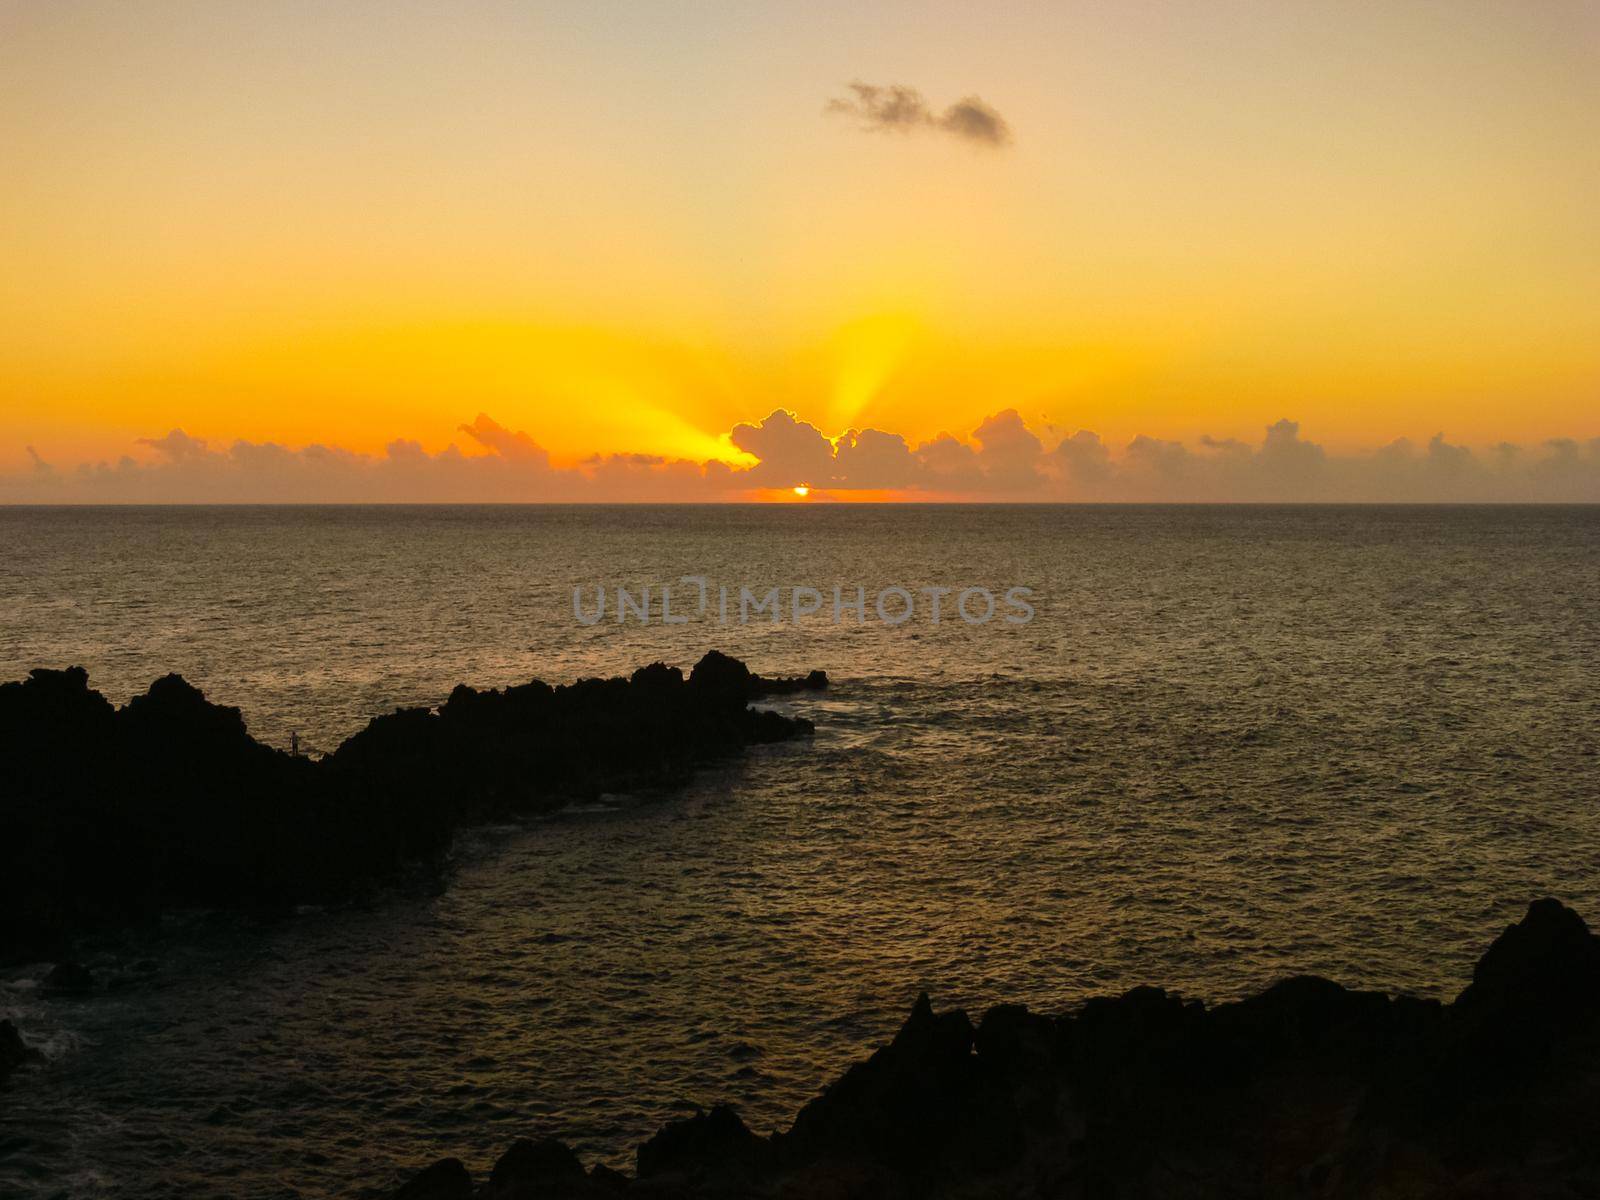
(63, 845)
(14, 1052)
(446, 1179)
(709, 1146)
(108, 816)
(604, 1181)
(720, 678)
(718, 674)
(69, 979)
(759, 686)
(1547, 963)
(1306, 1090)
(923, 1105)
(537, 1171)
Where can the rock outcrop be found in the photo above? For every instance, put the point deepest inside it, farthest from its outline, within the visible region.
(14, 1052)
(69, 979)
(760, 686)
(109, 815)
(446, 1179)
(1309, 1089)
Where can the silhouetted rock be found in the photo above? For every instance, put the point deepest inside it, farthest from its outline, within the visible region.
(758, 685)
(108, 816)
(1548, 962)
(923, 1106)
(1308, 1089)
(709, 1146)
(69, 979)
(716, 674)
(604, 1181)
(63, 844)
(541, 1170)
(720, 677)
(658, 678)
(446, 1179)
(14, 1052)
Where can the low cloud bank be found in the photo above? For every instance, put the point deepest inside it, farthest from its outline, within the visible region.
(1002, 459)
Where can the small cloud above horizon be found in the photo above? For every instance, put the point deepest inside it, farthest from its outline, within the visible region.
(896, 108)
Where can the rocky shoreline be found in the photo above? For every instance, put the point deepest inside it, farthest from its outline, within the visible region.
(1309, 1089)
(109, 816)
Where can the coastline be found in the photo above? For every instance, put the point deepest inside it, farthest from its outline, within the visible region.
(115, 815)
(1307, 1089)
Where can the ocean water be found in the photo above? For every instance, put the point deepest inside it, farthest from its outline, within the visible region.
(1233, 744)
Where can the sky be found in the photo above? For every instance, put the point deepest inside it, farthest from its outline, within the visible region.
(324, 251)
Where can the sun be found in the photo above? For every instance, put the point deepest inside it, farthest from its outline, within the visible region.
(802, 490)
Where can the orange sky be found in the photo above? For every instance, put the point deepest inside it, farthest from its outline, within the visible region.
(628, 229)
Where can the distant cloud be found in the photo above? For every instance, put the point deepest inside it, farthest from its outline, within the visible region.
(1083, 461)
(899, 109)
(1003, 458)
(491, 435)
(177, 446)
(1009, 451)
(871, 458)
(791, 451)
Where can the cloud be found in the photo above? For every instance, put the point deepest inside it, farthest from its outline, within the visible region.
(179, 468)
(894, 108)
(950, 465)
(871, 458)
(1003, 458)
(1083, 460)
(900, 109)
(1008, 452)
(791, 451)
(972, 119)
(177, 446)
(518, 447)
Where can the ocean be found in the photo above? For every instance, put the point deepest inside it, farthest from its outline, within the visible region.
(1232, 744)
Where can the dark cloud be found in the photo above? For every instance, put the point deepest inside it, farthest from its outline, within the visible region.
(791, 451)
(900, 109)
(870, 458)
(893, 108)
(950, 465)
(972, 119)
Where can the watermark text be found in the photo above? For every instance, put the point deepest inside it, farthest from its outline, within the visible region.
(695, 598)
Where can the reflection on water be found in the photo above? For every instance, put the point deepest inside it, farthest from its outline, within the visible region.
(1234, 743)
